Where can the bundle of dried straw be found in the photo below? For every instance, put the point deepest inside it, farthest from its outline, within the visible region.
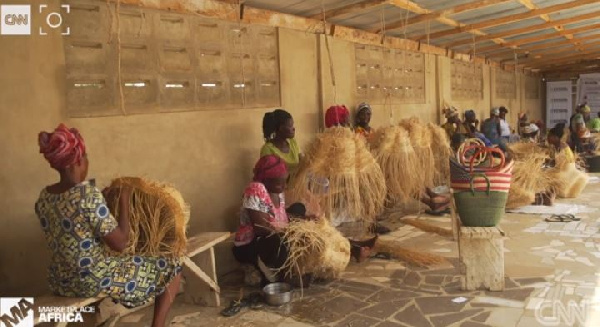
(356, 182)
(396, 156)
(440, 145)
(158, 217)
(421, 140)
(315, 247)
(571, 180)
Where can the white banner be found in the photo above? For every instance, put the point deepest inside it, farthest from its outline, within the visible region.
(589, 91)
(559, 103)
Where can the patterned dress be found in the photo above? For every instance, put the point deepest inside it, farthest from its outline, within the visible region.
(74, 223)
(257, 198)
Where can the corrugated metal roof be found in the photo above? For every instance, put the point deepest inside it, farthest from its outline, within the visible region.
(370, 19)
(576, 11)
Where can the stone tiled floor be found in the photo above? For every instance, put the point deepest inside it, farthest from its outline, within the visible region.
(546, 264)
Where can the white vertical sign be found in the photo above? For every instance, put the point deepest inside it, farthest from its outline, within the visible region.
(559, 103)
(589, 91)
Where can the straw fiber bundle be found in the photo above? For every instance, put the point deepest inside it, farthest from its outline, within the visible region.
(399, 163)
(315, 247)
(427, 227)
(421, 139)
(529, 174)
(158, 217)
(356, 182)
(420, 259)
(440, 145)
(571, 180)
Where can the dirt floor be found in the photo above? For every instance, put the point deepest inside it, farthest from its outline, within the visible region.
(552, 279)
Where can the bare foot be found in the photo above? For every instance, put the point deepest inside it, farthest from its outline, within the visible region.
(365, 253)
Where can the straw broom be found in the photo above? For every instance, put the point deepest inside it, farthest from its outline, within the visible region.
(416, 258)
(315, 247)
(158, 217)
(356, 182)
(427, 227)
(398, 161)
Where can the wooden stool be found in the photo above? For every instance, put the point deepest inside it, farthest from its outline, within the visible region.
(201, 285)
(481, 255)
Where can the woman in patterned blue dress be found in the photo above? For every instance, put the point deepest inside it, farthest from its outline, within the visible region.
(78, 227)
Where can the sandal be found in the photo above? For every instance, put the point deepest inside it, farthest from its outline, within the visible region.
(234, 308)
(562, 218)
(438, 213)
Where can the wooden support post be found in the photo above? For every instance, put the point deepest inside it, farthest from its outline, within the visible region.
(481, 251)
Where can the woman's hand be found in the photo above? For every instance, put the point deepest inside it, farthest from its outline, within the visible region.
(312, 217)
(126, 192)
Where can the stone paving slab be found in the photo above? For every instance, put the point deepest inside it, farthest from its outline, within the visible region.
(544, 263)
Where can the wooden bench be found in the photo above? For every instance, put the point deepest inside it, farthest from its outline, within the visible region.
(481, 256)
(201, 285)
(204, 289)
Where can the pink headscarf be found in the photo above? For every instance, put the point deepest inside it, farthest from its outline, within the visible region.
(270, 166)
(62, 148)
(336, 115)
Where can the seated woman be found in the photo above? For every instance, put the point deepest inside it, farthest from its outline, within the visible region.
(263, 218)
(453, 124)
(363, 118)
(530, 133)
(279, 133)
(558, 146)
(78, 225)
(337, 116)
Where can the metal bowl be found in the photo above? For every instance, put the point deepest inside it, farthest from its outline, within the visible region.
(277, 294)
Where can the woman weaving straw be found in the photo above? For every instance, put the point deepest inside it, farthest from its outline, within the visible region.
(263, 218)
(77, 225)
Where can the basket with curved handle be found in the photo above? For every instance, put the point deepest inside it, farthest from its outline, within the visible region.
(470, 144)
(490, 151)
(489, 184)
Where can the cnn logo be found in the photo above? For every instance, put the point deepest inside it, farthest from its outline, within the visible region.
(17, 19)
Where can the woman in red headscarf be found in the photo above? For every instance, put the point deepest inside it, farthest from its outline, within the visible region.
(337, 116)
(78, 227)
(263, 217)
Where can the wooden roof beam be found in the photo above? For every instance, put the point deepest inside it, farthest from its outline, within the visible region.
(524, 30)
(558, 28)
(578, 65)
(349, 9)
(547, 45)
(567, 59)
(443, 13)
(547, 55)
(411, 6)
(537, 38)
(508, 19)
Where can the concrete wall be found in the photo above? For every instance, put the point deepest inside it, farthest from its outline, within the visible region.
(207, 155)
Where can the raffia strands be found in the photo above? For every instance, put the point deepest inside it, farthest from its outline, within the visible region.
(421, 139)
(440, 145)
(158, 217)
(315, 247)
(528, 175)
(356, 182)
(396, 156)
(420, 259)
(427, 227)
(570, 179)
